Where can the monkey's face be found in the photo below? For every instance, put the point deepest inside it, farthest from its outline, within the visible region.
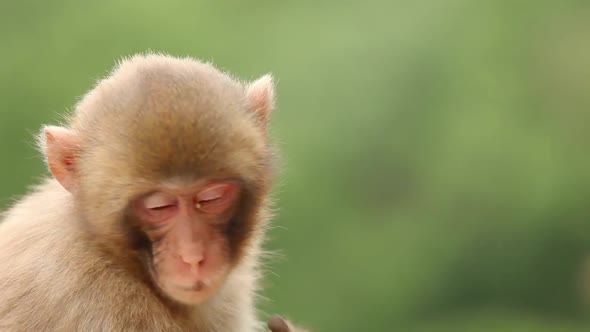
(186, 226)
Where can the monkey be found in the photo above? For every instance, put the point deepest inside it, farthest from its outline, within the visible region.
(154, 214)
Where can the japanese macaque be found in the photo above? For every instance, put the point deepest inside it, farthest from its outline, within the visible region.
(156, 212)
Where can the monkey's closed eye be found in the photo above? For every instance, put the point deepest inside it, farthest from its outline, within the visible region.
(158, 206)
(217, 198)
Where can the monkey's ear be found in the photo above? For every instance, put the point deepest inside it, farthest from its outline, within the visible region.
(61, 148)
(261, 98)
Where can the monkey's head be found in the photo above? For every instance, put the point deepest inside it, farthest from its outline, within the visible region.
(169, 166)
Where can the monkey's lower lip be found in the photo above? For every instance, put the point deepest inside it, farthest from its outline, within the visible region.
(197, 287)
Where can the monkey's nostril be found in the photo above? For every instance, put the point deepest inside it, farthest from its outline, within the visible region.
(195, 261)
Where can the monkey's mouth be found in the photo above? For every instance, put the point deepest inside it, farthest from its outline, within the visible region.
(196, 287)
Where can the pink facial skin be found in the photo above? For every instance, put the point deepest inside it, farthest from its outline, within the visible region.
(188, 244)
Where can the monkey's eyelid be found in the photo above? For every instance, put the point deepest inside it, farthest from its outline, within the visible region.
(159, 200)
(215, 192)
(217, 198)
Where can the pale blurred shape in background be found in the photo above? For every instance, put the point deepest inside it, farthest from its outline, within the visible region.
(437, 160)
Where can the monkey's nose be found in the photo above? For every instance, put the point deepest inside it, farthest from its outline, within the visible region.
(192, 252)
(194, 259)
(190, 264)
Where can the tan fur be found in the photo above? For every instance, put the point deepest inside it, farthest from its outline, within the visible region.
(64, 264)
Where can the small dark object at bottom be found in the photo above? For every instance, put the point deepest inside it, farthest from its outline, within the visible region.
(278, 324)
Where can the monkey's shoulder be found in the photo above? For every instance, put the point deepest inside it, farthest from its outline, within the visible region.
(36, 220)
(42, 204)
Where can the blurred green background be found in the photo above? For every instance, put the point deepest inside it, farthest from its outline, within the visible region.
(437, 166)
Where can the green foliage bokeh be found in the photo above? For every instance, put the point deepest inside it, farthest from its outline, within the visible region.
(437, 166)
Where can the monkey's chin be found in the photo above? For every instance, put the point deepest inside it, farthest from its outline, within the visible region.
(192, 295)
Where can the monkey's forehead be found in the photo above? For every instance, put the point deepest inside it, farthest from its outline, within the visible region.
(172, 146)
